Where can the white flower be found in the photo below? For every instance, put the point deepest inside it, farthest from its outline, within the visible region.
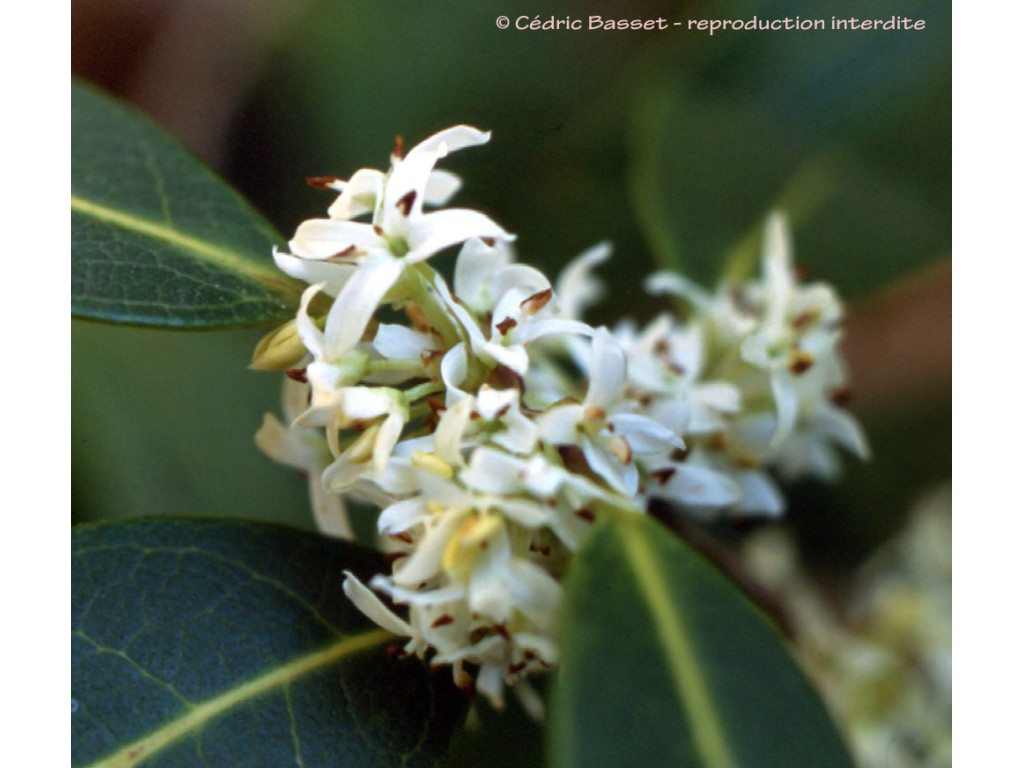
(306, 450)
(608, 439)
(399, 235)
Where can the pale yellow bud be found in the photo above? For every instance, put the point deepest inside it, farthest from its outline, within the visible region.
(279, 350)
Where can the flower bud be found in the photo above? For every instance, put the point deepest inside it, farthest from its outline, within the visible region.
(279, 350)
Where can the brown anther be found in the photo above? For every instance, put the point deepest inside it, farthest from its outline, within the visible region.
(395, 651)
(503, 410)
(678, 370)
(535, 303)
(477, 635)
(488, 241)
(417, 317)
(645, 400)
(840, 396)
(717, 441)
(573, 458)
(661, 347)
(406, 202)
(594, 413)
(663, 475)
(622, 449)
(466, 684)
(399, 149)
(745, 461)
(322, 182)
(430, 357)
(474, 415)
(436, 405)
(403, 536)
(801, 272)
(516, 668)
(342, 254)
(529, 655)
(800, 361)
(503, 377)
(297, 374)
(440, 621)
(584, 514)
(804, 319)
(501, 630)
(378, 231)
(506, 325)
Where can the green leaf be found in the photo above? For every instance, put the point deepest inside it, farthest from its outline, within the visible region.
(663, 657)
(213, 643)
(156, 238)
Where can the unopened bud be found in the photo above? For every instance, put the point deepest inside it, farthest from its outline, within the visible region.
(279, 350)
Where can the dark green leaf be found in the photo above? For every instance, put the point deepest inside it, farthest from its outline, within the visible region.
(664, 658)
(164, 425)
(215, 644)
(156, 238)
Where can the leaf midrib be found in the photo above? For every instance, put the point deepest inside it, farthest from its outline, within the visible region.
(150, 744)
(691, 685)
(213, 253)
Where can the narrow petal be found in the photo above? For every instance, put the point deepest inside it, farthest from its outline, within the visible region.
(397, 342)
(433, 232)
(372, 607)
(453, 139)
(358, 300)
(359, 195)
(441, 187)
(323, 238)
(576, 286)
(331, 275)
(607, 369)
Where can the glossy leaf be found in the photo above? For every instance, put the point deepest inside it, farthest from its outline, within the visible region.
(664, 658)
(156, 238)
(211, 644)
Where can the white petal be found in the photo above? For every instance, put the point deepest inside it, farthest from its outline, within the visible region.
(373, 608)
(558, 425)
(645, 435)
(519, 277)
(452, 139)
(358, 300)
(451, 429)
(331, 275)
(433, 232)
(607, 369)
(760, 494)
(676, 285)
(493, 471)
(323, 238)
(329, 510)
(610, 468)
(534, 329)
(425, 561)
(454, 367)
(389, 433)
(441, 187)
(787, 404)
(698, 486)
(359, 194)
(576, 287)
(402, 515)
(475, 266)
(397, 342)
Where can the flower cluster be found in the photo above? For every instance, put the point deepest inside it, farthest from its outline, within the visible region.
(492, 425)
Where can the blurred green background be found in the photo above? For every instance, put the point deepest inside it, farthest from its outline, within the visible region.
(672, 144)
